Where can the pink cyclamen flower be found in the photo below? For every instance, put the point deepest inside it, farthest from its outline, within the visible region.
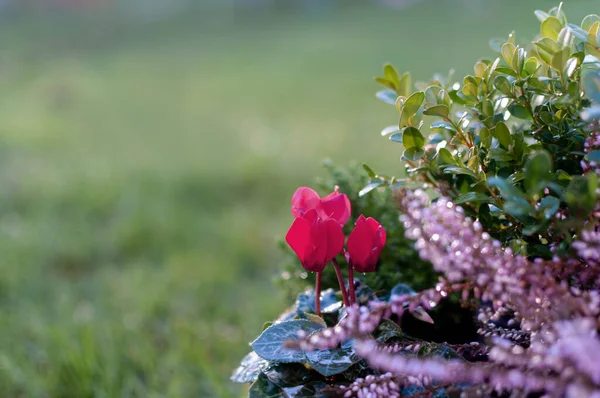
(365, 244)
(315, 241)
(336, 205)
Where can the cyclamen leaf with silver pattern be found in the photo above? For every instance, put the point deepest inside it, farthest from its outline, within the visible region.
(270, 344)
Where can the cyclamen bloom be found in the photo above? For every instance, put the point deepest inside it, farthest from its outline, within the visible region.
(336, 205)
(365, 244)
(315, 241)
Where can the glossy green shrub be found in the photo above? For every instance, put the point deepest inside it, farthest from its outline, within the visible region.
(507, 142)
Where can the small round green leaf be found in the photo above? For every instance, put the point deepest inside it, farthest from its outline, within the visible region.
(411, 107)
(412, 138)
(413, 154)
(437, 110)
(503, 85)
(537, 171)
(503, 135)
(485, 137)
(551, 27)
(445, 157)
(473, 197)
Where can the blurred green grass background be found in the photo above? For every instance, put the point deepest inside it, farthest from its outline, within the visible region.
(146, 166)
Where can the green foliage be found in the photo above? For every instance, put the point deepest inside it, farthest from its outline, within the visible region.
(273, 367)
(399, 262)
(506, 142)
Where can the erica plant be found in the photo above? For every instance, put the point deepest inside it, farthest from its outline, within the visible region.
(501, 200)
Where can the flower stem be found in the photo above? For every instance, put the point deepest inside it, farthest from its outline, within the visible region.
(318, 294)
(351, 293)
(340, 278)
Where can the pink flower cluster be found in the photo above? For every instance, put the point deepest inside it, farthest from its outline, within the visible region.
(316, 237)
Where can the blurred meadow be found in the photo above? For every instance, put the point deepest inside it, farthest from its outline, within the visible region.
(148, 152)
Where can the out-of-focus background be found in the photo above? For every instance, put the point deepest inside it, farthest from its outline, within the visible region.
(148, 151)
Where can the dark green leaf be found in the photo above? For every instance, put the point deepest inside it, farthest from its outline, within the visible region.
(515, 177)
(270, 344)
(437, 110)
(445, 157)
(503, 85)
(411, 107)
(442, 125)
(369, 171)
(515, 202)
(562, 175)
(502, 134)
(412, 154)
(287, 375)
(332, 362)
(485, 137)
(581, 194)
(518, 144)
(412, 138)
(249, 369)
(549, 205)
(265, 388)
(312, 390)
(537, 172)
(473, 197)
(501, 155)
(459, 170)
(387, 330)
(519, 111)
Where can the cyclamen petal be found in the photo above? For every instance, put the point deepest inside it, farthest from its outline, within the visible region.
(303, 200)
(365, 244)
(336, 205)
(315, 241)
(335, 238)
(298, 237)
